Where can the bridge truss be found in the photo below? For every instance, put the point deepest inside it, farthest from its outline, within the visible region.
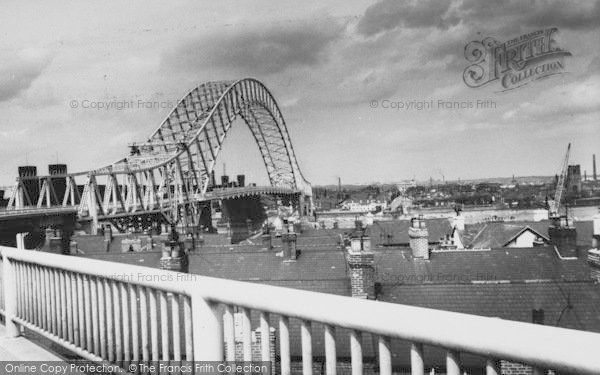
(169, 174)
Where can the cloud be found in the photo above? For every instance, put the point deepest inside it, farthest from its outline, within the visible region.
(511, 15)
(18, 71)
(256, 49)
(390, 14)
(516, 14)
(559, 105)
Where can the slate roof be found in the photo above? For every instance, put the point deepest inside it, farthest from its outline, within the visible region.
(497, 234)
(259, 266)
(395, 232)
(506, 283)
(397, 266)
(510, 301)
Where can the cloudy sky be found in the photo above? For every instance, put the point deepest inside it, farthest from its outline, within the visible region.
(325, 63)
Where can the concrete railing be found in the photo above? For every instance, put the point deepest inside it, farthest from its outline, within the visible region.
(123, 314)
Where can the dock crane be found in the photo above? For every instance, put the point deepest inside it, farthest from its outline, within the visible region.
(554, 205)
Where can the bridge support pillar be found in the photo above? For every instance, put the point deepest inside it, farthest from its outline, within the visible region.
(93, 209)
(301, 206)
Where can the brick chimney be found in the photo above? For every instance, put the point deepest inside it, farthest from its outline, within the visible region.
(174, 256)
(564, 238)
(418, 238)
(54, 240)
(361, 263)
(290, 252)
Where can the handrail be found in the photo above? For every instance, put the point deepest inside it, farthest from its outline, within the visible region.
(538, 345)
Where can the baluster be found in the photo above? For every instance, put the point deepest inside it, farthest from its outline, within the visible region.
(330, 351)
(69, 306)
(229, 333)
(102, 316)
(176, 327)
(126, 327)
(117, 321)
(187, 319)
(416, 359)
(39, 302)
(63, 306)
(385, 356)
(52, 304)
(356, 352)
(452, 363)
(110, 333)
(85, 321)
(29, 305)
(36, 296)
(144, 324)
(491, 367)
(19, 287)
(25, 292)
(45, 300)
(284, 345)
(134, 292)
(265, 334)
(153, 324)
(94, 307)
(306, 334)
(57, 303)
(207, 327)
(247, 334)
(164, 325)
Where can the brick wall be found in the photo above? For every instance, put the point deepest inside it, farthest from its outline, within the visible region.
(362, 274)
(256, 348)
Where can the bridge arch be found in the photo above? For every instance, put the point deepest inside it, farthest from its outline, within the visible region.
(194, 133)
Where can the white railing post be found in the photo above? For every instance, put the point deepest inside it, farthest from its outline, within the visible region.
(207, 330)
(9, 285)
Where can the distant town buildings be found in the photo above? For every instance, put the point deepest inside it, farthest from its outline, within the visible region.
(364, 206)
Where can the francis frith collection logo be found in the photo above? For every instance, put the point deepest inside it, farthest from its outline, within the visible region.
(516, 62)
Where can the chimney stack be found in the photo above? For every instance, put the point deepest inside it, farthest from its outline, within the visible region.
(594, 161)
(564, 238)
(290, 252)
(54, 240)
(361, 262)
(419, 238)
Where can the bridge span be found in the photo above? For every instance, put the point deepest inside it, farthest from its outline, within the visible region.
(168, 177)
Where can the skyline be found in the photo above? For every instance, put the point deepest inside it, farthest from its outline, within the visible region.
(325, 65)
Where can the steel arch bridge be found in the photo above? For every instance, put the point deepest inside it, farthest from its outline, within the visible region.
(169, 173)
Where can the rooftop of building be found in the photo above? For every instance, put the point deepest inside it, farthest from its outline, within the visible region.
(498, 234)
(507, 283)
(395, 232)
